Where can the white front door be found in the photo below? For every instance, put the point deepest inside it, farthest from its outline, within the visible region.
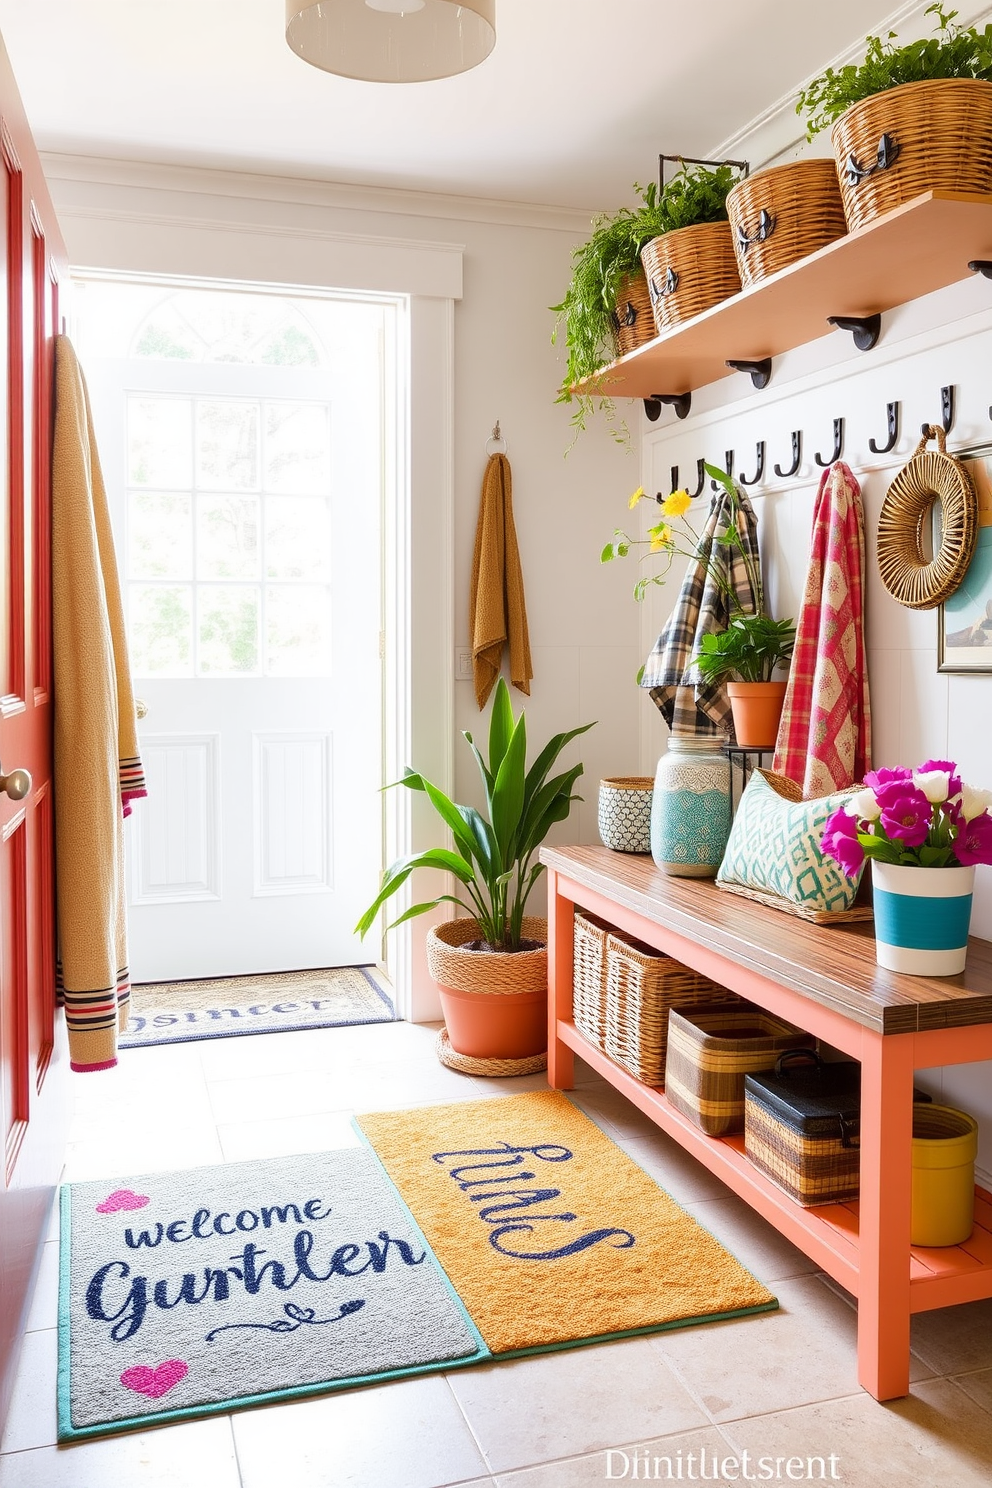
(242, 444)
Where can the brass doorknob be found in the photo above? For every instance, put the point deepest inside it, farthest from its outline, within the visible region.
(141, 707)
(16, 784)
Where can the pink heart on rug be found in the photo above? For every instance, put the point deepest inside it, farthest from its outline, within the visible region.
(145, 1380)
(122, 1198)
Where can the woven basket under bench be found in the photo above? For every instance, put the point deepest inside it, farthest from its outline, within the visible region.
(622, 991)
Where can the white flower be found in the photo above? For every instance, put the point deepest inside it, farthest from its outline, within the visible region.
(933, 783)
(974, 802)
(864, 806)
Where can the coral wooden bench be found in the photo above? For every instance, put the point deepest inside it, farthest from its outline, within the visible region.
(824, 980)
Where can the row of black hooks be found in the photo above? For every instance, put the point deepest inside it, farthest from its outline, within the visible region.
(893, 412)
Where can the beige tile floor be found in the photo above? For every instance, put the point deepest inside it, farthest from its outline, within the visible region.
(781, 1386)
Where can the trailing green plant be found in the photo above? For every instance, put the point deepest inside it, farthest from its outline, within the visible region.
(587, 316)
(749, 650)
(492, 858)
(954, 52)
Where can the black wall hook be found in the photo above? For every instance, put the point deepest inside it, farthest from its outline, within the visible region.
(728, 465)
(892, 423)
(759, 473)
(675, 478)
(700, 479)
(946, 410)
(797, 456)
(865, 329)
(838, 448)
(759, 372)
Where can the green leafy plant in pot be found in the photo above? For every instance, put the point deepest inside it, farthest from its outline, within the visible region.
(746, 656)
(908, 118)
(497, 949)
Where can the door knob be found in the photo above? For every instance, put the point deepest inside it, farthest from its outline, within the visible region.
(141, 707)
(16, 784)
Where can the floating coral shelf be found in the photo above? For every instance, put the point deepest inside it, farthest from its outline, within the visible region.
(926, 244)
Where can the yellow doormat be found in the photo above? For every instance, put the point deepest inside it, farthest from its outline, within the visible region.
(549, 1233)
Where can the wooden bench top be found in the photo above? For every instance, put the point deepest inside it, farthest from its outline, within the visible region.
(832, 965)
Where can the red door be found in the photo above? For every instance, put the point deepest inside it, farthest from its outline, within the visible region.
(33, 1060)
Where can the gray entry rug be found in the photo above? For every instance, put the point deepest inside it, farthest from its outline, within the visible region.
(221, 1007)
(190, 1293)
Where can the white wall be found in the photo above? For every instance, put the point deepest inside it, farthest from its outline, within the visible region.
(916, 711)
(501, 266)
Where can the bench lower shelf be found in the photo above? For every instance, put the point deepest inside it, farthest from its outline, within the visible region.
(829, 1234)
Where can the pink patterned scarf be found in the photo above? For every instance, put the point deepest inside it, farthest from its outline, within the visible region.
(824, 739)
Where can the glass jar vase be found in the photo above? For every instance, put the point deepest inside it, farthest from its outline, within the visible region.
(690, 808)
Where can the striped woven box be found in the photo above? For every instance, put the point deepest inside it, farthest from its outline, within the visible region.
(711, 1049)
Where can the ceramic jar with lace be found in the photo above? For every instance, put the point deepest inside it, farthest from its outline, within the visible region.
(690, 809)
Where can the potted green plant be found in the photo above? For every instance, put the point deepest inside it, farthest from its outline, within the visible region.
(691, 264)
(908, 118)
(746, 656)
(491, 967)
(606, 309)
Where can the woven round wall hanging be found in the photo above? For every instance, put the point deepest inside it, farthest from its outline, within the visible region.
(916, 581)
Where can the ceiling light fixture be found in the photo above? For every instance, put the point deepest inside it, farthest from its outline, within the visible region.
(392, 41)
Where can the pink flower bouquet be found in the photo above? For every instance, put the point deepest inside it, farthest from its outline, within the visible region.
(922, 818)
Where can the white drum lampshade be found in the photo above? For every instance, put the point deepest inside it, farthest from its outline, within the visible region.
(392, 41)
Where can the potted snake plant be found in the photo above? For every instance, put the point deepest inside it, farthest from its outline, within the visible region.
(491, 966)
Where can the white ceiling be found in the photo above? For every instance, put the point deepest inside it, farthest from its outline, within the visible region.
(573, 105)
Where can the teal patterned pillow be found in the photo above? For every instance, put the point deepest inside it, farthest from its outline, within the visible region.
(774, 847)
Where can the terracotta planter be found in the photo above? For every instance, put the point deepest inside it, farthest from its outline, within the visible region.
(757, 708)
(495, 1003)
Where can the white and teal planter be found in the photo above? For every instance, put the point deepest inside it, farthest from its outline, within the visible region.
(922, 917)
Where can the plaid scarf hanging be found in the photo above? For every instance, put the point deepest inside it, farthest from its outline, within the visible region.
(690, 706)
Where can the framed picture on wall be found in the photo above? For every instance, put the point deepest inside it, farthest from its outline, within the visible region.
(964, 621)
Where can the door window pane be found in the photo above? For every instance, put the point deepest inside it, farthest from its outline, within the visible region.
(297, 448)
(159, 536)
(161, 629)
(298, 626)
(297, 537)
(159, 443)
(228, 617)
(227, 445)
(227, 537)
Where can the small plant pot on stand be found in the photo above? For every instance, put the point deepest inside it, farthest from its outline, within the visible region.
(757, 709)
(495, 1003)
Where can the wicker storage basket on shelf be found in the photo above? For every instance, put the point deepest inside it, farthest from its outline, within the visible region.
(622, 993)
(589, 976)
(690, 270)
(780, 215)
(802, 1127)
(929, 136)
(635, 321)
(711, 1049)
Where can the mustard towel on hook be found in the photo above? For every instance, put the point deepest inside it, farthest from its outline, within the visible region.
(499, 613)
(97, 767)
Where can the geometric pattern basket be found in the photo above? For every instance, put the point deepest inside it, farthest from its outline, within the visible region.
(624, 816)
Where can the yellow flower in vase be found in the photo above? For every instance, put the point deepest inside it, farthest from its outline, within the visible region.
(661, 537)
(637, 496)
